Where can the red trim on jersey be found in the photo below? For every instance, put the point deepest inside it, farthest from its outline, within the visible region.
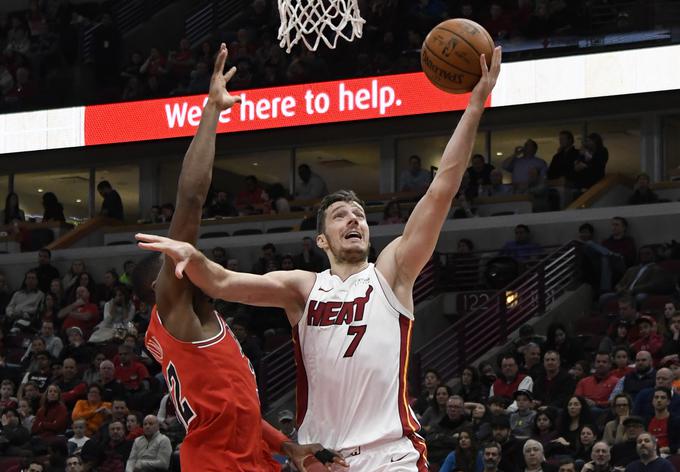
(408, 422)
(419, 445)
(301, 393)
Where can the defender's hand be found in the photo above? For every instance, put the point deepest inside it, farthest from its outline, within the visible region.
(299, 452)
(218, 83)
(180, 252)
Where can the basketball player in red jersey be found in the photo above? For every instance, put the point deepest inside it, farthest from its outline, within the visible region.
(211, 382)
(352, 324)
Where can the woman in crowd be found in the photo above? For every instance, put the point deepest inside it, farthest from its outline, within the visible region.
(106, 290)
(54, 211)
(118, 312)
(617, 337)
(589, 168)
(392, 214)
(621, 365)
(93, 410)
(91, 374)
(26, 415)
(587, 438)
(574, 417)
(49, 310)
(71, 277)
(275, 200)
(622, 407)
(22, 310)
(558, 340)
(545, 428)
(465, 457)
(471, 388)
(51, 418)
(437, 409)
(12, 212)
(84, 280)
(57, 290)
(480, 417)
(579, 370)
(487, 376)
(133, 425)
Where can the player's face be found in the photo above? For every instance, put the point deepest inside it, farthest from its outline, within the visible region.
(346, 234)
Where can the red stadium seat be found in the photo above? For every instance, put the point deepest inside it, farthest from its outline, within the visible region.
(672, 266)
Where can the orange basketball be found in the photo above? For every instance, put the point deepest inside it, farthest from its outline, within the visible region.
(450, 54)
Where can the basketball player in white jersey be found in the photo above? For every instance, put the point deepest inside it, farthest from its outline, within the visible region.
(352, 324)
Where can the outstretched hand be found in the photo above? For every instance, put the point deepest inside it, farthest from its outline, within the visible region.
(299, 452)
(218, 82)
(489, 76)
(180, 252)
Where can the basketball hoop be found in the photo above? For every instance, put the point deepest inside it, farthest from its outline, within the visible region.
(313, 21)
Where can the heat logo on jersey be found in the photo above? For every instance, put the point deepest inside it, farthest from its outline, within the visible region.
(336, 312)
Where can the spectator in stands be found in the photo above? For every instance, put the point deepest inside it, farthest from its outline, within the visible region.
(54, 211)
(167, 212)
(641, 280)
(671, 344)
(5, 293)
(74, 463)
(52, 416)
(442, 437)
(531, 355)
(118, 312)
(268, 257)
(39, 373)
(112, 453)
(82, 313)
(126, 277)
(91, 374)
(119, 412)
(13, 436)
(544, 426)
(600, 458)
(249, 345)
(53, 344)
(181, 62)
(26, 416)
(76, 346)
(649, 340)
(510, 380)
(221, 206)
(496, 186)
(28, 360)
(112, 206)
(621, 354)
(643, 405)
(479, 172)
(107, 289)
(575, 414)
(7, 398)
(248, 199)
(76, 443)
(587, 437)
(415, 178)
(470, 388)
(12, 212)
(51, 307)
(619, 243)
(275, 201)
(392, 214)
(523, 159)
(664, 426)
(618, 337)
(133, 426)
(22, 310)
(522, 249)
(71, 385)
(491, 456)
(553, 385)
(465, 455)
(431, 381)
(537, 190)
(311, 186)
(589, 168)
(110, 386)
(72, 277)
(562, 163)
(45, 271)
(151, 451)
(511, 447)
(625, 452)
(643, 194)
(622, 408)
(558, 340)
(597, 388)
(649, 460)
(642, 377)
(521, 420)
(93, 410)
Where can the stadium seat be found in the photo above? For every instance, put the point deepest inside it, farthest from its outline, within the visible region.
(671, 266)
(280, 229)
(214, 234)
(119, 243)
(655, 303)
(246, 232)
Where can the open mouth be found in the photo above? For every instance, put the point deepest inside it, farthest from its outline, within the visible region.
(353, 235)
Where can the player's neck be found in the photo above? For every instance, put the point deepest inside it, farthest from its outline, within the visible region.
(344, 270)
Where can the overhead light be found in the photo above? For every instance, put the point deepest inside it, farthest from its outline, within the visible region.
(256, 164)
(40, 190)
(78, 200)
(499, 153)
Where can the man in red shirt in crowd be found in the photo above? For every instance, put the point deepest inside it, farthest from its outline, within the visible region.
(510, 380)
(82, 313)
(71, 385)
(598, 387)
(649, 339)
(248, 199)
(664, 427)
(130, 372)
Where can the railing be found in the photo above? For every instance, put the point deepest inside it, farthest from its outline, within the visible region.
(488, 326)
(277, 369)
(129, 15)
(208, 16)
(589, 197)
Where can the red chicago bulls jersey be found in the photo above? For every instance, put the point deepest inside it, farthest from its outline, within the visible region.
(213, 388)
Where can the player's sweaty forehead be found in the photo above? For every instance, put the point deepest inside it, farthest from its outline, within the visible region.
(338, 206)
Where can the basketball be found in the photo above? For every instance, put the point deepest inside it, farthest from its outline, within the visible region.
(450, 54)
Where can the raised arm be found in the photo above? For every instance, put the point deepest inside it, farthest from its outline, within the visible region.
(192, 188)
(403, 259)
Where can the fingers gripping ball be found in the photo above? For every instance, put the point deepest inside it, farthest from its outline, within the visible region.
(312, 464)
(450, 55)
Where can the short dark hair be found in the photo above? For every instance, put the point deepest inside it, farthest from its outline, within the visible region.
(623, 221)
(46, 251)
(490, 444)
(569, 135)
(75, 456)
(340, 196)
(604, 353)
(433, 371)
(468, 243)
(103, 185)
(414, 157)
(665, 390)
(269, 246)
(586, 227)
(524, 227)
(567, 461)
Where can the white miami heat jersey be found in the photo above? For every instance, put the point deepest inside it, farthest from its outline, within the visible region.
(352, 347)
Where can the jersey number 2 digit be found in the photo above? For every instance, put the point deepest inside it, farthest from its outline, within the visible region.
(186, 413)
(358, 333)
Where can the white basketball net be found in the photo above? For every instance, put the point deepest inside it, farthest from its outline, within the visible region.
(313, 21)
